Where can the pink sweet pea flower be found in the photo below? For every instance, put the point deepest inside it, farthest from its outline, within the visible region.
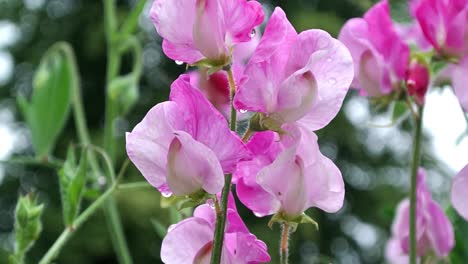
(380, 55)
(184, 145)
(289, 175)
(460, 81)
(459, 195)
(191, 240)
(434, 232)
(444, 24)
(295, 76)
(194, 30)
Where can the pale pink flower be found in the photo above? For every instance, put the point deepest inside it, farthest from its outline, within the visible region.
(295, 76)
(191, 240)
(459, 193)
(434, 232)
(380, 55)
(194, 30)
(184, 145)
(288, 175)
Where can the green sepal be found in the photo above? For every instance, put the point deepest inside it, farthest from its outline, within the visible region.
(261, 122)
(188, 201)
(72, 179)
(292, 221)
(216, 65)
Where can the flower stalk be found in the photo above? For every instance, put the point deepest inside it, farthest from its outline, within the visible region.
(284, 244)
(222, 214)
(416, 159)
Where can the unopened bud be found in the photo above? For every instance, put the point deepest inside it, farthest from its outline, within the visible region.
(417, 80)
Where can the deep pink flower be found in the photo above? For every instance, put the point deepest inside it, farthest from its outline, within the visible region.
(379, 53)
(433, 229)
(295, 76)
(288, 175)
(444, 24)
(191, 240)
(204, 29)
(459, 193)
(417, 80)
(184, 145)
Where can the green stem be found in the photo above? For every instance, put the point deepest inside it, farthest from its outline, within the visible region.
(221, 214)
(68, 232)
(284, 244)
(416, 158)
(134, 185)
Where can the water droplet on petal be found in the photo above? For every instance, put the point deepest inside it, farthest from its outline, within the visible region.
(332, 81)
(243, 111)
(329, 60)
(252, 33)
(211, 203)
(179, 62)
(166, 194)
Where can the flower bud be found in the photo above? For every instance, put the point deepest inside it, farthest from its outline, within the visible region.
(28, 223)
(417, 80)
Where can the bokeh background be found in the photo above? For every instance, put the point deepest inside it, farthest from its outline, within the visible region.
(374, 160)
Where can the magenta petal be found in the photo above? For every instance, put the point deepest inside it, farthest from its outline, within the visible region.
(148, 143)
(241, 17)
(209, 30)
(255, 198)
(207, 125)
(370, 74)
(192, 166)
(460, 81)
(181, 52)
(394, 254)
(332, 68)
(265, 70)
(184, 241)
(459, 193)
(440, 230)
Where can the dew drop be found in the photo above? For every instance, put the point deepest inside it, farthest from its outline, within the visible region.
(242, 111)
(179, 62)
(329, 60)
(211, 203)
(332, 81)
(166, 194)
(252, 33)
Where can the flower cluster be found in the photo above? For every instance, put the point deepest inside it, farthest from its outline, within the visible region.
(401, 61)
(287, 84)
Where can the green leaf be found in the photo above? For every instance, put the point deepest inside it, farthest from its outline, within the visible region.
(50, 101)
(72, 180)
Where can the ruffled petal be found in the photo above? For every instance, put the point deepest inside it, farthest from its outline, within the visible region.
(241, 17)
(184, 241)
(459, 193)
(192, 166)
(178, 41)
(332, 67)
(209, 30)
(246, 248)
(207, 125)
(265, 70)
(440, 230)
(460, 81)
(147, 145)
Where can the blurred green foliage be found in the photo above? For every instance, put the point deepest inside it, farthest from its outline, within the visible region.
(374, 161)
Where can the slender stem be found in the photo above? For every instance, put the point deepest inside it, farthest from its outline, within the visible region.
(51, 163)
(68, 232)
(221, 214)
(417, 137)
(248, 134)
(284, 247)
(134, 185)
